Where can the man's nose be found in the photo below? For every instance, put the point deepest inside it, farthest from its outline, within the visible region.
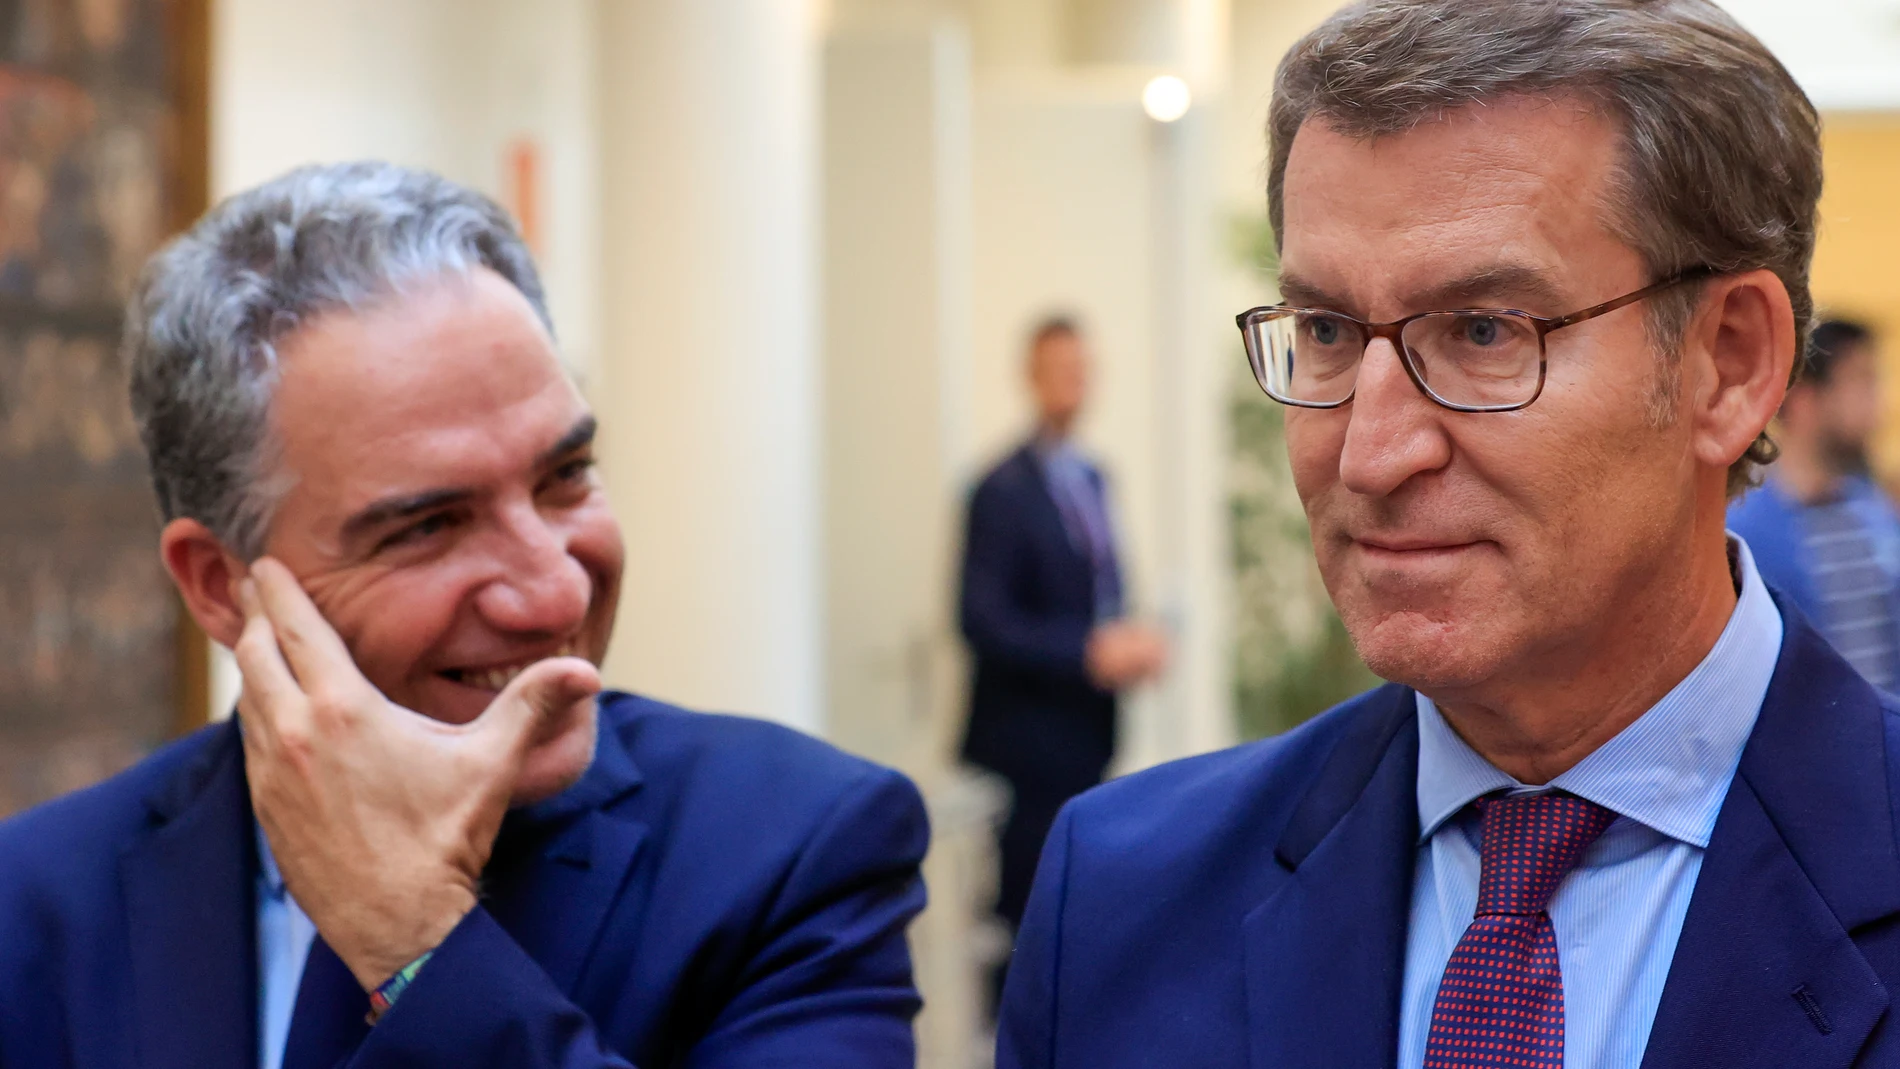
(1393, 430)
(541, 589)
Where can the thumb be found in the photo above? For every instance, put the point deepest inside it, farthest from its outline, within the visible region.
(542, 691)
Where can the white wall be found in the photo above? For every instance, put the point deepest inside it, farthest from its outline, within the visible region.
(897, 436)
(1845, 53)
(440, 84)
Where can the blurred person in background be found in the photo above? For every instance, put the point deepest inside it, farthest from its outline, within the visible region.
(1545, 273)
(1824, 534)
(1042, 608)
(428, 838)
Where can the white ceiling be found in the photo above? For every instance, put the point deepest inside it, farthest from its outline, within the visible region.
(1845, 53)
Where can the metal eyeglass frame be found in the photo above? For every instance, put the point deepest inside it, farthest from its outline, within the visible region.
(1393, 332)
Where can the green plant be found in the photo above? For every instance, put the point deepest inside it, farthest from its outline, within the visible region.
(1292, 655)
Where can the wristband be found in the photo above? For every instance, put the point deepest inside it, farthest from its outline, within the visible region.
(386, 995)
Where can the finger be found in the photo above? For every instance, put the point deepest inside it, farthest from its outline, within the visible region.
(542, 691)
(310, 645)
(269, 687)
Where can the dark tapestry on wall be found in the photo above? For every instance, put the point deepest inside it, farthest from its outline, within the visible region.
(90, 135)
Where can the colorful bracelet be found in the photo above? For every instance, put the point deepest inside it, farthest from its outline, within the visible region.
(385, 996)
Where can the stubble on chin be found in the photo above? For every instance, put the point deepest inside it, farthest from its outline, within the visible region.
(1419, 649)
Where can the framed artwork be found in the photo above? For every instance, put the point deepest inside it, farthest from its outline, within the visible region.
(102, 156)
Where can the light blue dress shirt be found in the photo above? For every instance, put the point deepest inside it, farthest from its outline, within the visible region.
(1618, 915)
(284, 937)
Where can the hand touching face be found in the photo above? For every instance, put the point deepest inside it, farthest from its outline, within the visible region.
(380, 819)
(441, 507)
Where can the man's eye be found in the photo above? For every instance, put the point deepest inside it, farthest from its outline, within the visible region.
(571, 474)
(1481, 330)
(1325, 331)
(419, 530)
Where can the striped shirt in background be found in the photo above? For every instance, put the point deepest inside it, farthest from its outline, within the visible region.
(1855, 596)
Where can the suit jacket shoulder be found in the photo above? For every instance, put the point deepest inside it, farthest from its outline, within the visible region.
(1009, 478)
(681, 749)
(1143, 825)
(56, 851)
(734, 787)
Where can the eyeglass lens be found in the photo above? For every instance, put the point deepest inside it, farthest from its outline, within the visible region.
(1474, 360)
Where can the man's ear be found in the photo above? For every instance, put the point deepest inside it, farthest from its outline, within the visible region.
(206, 574)
(1743, 342)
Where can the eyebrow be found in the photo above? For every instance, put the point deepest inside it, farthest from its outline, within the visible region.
(389, 510)
(399, 507)
(1499, 282)
(578, 437)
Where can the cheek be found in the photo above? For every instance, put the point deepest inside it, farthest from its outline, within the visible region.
(596, 544)
(1314, 439)
(391, 624)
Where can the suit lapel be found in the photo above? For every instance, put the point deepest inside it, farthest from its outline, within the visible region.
(190, 918)
(570, 859)
(1055, 527)
(1765, 973)
(1325, 954)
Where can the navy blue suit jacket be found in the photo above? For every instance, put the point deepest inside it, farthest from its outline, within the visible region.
(1026, 607)
(715, 892)
(1249, 907)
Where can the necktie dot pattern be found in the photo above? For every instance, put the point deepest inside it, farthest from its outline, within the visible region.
(1501, 1001)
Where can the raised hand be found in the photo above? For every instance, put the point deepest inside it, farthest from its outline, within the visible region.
(380, 818)
(1122, 653)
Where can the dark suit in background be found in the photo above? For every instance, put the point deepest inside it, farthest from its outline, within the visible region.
(1034, 587)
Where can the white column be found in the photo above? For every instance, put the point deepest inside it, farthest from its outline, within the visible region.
(898, 445)
(708, 390)
(897, 441)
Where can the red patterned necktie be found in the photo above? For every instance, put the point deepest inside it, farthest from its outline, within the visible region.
(1501, 1001)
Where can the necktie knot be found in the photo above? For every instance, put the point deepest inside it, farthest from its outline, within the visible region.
(1530, 843)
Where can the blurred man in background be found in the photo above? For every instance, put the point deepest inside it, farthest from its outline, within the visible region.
(1823, 533)
(1042, 605)
(428, 838)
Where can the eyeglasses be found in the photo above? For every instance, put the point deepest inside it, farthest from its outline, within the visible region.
(1468, 360)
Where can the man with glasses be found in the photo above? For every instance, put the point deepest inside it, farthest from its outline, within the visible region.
(1544, 276)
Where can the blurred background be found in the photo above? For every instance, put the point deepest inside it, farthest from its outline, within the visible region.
(794, 250)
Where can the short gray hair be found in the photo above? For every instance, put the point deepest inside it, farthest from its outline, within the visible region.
(209, 309)
(1722, 153)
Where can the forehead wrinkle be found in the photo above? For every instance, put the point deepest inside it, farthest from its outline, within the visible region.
(1494, 233)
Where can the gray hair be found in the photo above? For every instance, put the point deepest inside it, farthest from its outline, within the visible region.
(202, 328)
(1722, 154)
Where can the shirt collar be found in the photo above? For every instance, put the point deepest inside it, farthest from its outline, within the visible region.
(1671, 768)
(272, 880)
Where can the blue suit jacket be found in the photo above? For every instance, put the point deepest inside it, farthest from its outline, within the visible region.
(715, 892)
(1027, 605)
(1249, 908)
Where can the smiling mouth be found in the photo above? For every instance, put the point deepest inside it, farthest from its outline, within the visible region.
(498, 677)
